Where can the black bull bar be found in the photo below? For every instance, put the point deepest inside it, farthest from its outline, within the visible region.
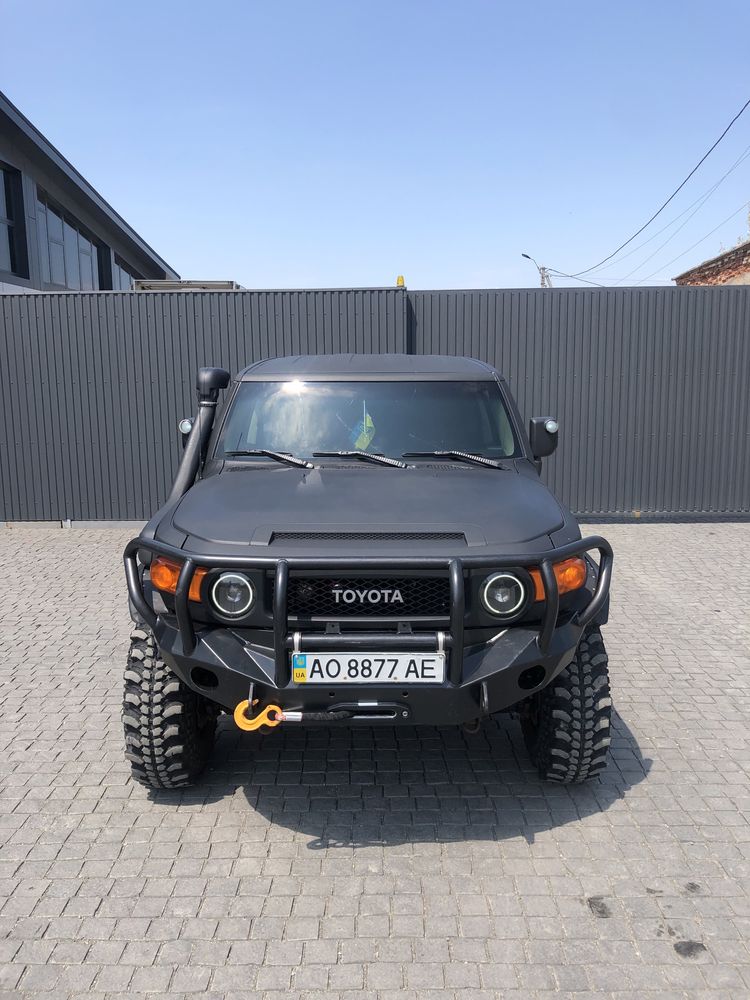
(455, 566)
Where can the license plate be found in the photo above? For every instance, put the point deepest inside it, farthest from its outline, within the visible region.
(368, 668)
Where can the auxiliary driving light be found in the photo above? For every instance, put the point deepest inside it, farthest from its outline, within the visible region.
(232, 595)
(503, 594)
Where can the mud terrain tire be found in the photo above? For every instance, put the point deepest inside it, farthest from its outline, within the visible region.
(566, 726)
(169, 729)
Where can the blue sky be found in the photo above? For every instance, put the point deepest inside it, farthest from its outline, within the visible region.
(291, 144)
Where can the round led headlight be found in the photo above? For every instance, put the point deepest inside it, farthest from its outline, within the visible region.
(503, 594)
(232, 595)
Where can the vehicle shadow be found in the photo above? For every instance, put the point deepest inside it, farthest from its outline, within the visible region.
(385, 786)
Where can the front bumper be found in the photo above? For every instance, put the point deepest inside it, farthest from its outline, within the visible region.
(482, 677)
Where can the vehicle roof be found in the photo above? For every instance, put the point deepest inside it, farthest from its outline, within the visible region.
(369, 365)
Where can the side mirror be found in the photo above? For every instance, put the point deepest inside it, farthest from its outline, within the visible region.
(210, 381)
(543, 436)
(184, 427)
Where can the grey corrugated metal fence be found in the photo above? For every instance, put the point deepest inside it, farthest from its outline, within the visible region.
(651, 387)
(93, 384)
(649, 384)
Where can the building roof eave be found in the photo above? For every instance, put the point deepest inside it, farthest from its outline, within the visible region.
(726, 257)
(32, 133)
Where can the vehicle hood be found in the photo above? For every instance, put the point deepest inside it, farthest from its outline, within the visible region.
(361, 510)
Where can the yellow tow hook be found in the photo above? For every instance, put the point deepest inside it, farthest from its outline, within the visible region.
(271, 715)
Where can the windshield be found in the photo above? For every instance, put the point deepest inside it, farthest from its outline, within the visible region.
(387, 418)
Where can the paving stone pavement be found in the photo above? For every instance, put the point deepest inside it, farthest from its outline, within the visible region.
(418, 864)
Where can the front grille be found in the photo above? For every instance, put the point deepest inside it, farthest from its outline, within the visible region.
(316, 597)
(368, 536)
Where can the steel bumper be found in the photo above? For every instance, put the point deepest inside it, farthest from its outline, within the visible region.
(221, 663)
(496, 675)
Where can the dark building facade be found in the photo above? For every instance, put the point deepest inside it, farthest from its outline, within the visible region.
(56, 232)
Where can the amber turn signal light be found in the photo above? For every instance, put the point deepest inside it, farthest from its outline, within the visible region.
(166, 572)
(570, 575)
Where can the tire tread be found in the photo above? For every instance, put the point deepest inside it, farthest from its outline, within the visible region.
(165, 742)
(570, 739)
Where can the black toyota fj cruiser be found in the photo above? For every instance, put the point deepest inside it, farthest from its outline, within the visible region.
(361, 540)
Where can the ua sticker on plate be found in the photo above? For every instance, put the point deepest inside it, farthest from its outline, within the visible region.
(368, 668)
(299, 668)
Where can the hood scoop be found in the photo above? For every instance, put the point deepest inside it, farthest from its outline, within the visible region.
(367, 536)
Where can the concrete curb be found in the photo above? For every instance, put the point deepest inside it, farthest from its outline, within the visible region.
(134, 526)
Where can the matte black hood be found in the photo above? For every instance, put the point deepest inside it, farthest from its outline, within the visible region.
(462, 509)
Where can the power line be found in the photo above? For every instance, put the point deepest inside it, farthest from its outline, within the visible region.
(562, 274)
(544, 277)
(700, 202)
(697, 243)
(670, 198)
(669, 238)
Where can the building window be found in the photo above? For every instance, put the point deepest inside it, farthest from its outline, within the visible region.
(11, 256)
(69, 257)
(122, 278)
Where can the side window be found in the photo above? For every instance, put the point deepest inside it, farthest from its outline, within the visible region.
(12, 237)
(122, 277)
(69, 258)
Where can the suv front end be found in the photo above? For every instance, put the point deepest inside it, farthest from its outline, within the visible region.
(324, 585)
(491, 661)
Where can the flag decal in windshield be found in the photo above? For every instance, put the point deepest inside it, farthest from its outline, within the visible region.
(364, 431)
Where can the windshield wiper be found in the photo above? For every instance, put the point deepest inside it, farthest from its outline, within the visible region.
(277, 456)
(459, 456)
(366, 456)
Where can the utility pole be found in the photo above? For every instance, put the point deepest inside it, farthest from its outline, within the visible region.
(544, 276)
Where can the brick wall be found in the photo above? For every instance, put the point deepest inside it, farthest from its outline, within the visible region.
(730, 268)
